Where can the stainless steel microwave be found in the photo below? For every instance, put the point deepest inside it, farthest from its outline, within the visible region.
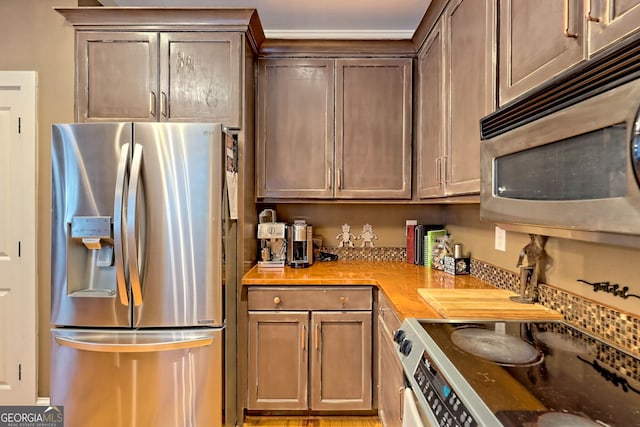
(572, 173)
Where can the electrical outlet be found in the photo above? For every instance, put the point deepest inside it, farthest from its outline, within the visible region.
(501, 239)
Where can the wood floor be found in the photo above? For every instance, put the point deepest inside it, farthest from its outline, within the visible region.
(273, 421)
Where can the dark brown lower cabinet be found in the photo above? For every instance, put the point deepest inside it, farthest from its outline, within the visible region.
(340, 360)
(390, 373)
(391, 380)
(278, 360)
(310, 359)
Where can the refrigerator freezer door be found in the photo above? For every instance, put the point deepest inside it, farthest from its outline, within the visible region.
(85, 159)
(174, 224)
(169, 378)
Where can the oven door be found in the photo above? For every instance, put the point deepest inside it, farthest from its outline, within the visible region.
(568, 172)
(411, 415)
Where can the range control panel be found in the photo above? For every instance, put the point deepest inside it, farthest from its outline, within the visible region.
(444, 403)
(441, 392)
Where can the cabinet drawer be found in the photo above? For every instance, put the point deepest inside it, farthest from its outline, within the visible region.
(309, 298)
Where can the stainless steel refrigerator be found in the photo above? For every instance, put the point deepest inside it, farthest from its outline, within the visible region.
(137, 273)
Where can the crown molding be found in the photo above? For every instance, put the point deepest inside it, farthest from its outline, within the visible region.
(339, 34)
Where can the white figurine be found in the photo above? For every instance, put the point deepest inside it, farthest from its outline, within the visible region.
(346, 237)
(367, 235)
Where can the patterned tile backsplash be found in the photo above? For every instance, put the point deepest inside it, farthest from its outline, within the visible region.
(369, 253)
(606, 323)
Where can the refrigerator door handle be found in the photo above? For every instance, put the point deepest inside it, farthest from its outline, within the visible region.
(147, 347)
(132, 200)
(121, 180)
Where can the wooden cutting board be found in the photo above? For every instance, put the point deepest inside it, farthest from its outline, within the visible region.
(483, 304)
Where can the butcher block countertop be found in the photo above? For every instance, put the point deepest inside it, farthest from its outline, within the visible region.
(400, 282)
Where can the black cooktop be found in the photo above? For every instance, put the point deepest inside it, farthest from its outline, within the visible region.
(543, 374)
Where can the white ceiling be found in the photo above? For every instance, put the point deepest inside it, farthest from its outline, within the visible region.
(313, 19)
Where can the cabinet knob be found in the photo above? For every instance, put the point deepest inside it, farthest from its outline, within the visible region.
(276, 300)
(343, 300)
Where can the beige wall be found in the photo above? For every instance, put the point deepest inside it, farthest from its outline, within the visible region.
(34, 37)
(388, 221)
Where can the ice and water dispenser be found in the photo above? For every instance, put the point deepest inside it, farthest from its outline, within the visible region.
(90, 261)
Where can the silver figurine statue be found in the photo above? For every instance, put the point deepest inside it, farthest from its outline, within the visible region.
(529, 261)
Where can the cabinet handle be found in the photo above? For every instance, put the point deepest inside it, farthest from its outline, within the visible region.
(401, 400)
(568, 33)
(343, 300)
(277, 300)
(438, 174)
(591, 18)
(164, 106)
(330, 177)
(317, 336)
(152, 104)
(303, 336)
(339, 185)
(443, 168)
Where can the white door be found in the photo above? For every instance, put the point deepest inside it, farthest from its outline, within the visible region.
(18, 381)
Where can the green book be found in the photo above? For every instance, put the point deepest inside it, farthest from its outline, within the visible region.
(429, 243)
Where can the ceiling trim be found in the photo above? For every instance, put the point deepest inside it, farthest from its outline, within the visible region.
(339, 34)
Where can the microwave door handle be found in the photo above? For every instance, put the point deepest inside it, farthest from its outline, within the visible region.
(132, 249)
(121, 179)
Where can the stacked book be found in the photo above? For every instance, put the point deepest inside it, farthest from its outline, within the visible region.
(420, 241)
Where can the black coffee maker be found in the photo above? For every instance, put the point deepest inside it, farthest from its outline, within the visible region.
(299, 244)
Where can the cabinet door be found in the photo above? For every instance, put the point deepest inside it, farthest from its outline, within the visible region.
(340, 360)
(200, 77)
(470, 28)
(278, 360)
(430, 126)
(373, 128)
(117, 76)
(538, 40)
(391, 377)
(611, 20)
(294, 151)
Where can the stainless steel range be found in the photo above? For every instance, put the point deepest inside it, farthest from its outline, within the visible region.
(512, 373)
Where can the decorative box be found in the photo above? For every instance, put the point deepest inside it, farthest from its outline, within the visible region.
(457, 266)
